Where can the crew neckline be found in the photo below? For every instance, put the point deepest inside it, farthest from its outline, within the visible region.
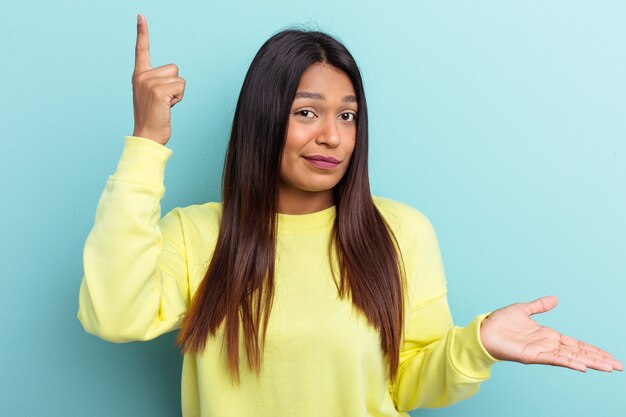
(309, 222)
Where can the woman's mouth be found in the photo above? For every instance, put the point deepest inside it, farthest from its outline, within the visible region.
(323, 162)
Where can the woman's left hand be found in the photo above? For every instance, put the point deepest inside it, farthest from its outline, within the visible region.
(510, 334)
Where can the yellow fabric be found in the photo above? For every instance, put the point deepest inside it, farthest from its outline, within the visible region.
(321, 358)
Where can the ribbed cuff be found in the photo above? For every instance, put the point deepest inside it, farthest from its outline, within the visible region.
(143, 161)
(470, 355)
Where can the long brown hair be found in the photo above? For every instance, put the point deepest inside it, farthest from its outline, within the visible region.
(239, 283)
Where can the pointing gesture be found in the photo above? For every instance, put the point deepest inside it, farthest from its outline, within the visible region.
(155, 90)
(142, 48)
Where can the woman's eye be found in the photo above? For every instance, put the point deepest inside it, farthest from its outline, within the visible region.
(305, 113)
(348, 117)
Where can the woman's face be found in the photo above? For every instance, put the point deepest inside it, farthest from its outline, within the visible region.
(321, 134)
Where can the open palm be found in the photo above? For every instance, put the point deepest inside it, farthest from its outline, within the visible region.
(510, 334)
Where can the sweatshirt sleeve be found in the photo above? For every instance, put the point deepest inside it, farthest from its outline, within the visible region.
(135, 282)
(440, 364)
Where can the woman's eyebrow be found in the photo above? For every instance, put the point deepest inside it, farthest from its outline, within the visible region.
(320, 96)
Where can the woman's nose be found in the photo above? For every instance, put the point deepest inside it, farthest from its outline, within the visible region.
(329, 133)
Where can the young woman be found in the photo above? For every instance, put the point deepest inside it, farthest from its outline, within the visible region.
(300, 293)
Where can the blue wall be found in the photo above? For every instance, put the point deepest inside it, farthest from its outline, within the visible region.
(504, 122)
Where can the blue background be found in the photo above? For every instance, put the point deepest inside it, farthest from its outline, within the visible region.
(504, 122)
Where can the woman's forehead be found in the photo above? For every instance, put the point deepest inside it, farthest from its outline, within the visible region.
(322, 81)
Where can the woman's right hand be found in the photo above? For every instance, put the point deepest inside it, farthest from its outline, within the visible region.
(155, 91)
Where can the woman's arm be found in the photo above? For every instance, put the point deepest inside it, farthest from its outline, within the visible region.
(440, 364)
(135, 284)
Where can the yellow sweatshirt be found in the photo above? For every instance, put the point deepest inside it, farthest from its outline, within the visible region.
(322, 358)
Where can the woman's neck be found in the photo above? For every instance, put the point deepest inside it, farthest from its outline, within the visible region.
(295, 201)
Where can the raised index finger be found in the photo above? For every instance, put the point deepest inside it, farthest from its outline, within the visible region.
(142, 49)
